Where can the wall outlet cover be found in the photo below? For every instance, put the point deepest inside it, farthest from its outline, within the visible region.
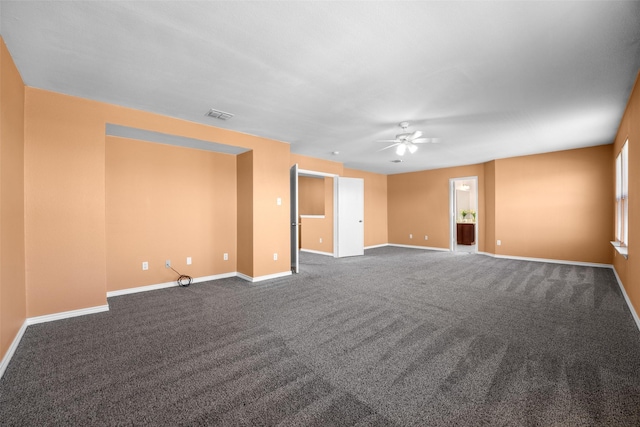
(167, 263)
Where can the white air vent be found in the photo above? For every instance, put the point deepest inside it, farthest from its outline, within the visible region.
(217, 114)
(396, 161)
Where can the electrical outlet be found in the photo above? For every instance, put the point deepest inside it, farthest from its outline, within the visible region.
(225, 257)
(275, 256)
(321, 240)
(145, 265)
(167, 263)
(426, 237)
(188, 260)
(279, 201)
(499, 242)
(411, 236)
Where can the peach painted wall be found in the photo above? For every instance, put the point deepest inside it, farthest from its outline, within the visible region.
(165, 202)
(555, 205)
(375, 206)
(311, 196)
(65, 203)
(316, 165)
(245, 212)
(271, 221)
(629, 269)
(12, 257)
(65, 197)
(418, 204)
(314, 229)
(490, 207)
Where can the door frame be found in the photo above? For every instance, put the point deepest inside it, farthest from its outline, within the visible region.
(453, 214)
(316, 174)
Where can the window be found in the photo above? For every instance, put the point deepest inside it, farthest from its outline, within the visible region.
(622, 194)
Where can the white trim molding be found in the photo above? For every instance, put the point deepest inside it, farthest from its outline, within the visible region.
(262, 278)
(167, 285)
(626, 298)
(12, 348)
(549, 260)
(307, 172)
(67, 314)
(382, 245)
(427, 248)
(311, 251)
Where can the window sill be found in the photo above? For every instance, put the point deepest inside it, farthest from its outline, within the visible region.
(622, 250)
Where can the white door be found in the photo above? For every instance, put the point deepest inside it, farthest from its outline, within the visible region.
(295, 263)
(350, 216)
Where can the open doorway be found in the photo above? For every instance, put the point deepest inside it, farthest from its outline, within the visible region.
(463, 202)
(312, 214)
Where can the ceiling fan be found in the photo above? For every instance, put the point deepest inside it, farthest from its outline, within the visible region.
(406, 140)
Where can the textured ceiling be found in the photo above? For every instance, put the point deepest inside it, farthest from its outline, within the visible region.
(489, 79)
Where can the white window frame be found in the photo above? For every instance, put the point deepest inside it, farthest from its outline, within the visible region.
(622, 200)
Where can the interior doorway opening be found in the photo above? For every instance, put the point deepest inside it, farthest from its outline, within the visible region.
(313, 226)
(463, 203)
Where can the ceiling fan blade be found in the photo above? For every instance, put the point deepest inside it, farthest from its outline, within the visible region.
(425, 140)
(389, 140)
(414, 135)
(389, 146)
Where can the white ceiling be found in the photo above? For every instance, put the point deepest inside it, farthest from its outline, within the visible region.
(490, 79)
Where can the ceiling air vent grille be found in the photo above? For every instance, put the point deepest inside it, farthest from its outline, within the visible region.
(217, 114)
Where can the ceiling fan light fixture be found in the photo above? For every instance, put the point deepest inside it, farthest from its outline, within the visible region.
(406, 140)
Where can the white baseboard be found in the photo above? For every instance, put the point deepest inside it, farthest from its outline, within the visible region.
(626, 298)
(311, 251)
(266, 277)
(382, 245)
(426, 248)
(12, 348)
(167, 285)
(67, 314)
(41, 319)
(549, 260)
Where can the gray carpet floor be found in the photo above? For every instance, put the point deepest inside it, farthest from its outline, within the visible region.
(396, 337)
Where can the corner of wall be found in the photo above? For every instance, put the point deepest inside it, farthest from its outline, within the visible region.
(245, 213)
(12, 238)
(490, 207)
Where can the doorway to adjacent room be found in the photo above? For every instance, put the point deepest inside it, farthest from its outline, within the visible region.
(463, 217)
